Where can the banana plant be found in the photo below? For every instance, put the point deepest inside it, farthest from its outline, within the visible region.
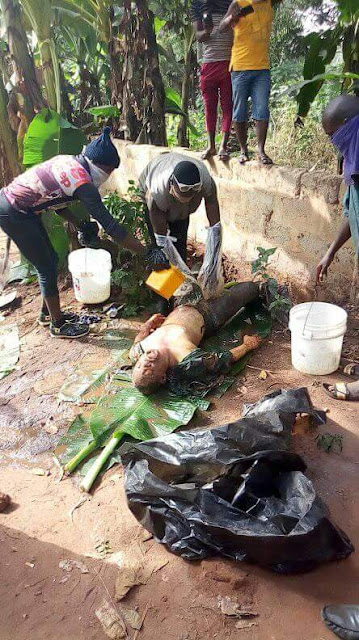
(321, 49)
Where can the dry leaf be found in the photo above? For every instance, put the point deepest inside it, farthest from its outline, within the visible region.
(263, 375)
(228, 607)
(135, 569)
(30, 564)
(246, 624)
(132, 618)
(111, 622)
(68, 565)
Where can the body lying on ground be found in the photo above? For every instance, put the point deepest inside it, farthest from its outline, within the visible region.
(167, 348)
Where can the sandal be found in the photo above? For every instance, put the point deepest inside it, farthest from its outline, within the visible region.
(264, 159)
(351, 370)
(340, 391)
(223, 155)
(243, 158)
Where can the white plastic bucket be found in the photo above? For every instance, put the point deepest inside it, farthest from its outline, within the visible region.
(318, 330)
(91, 275)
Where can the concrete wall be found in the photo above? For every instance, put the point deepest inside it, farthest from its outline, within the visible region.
(295, 210)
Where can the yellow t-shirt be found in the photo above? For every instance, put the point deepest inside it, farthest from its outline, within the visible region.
(251, 38)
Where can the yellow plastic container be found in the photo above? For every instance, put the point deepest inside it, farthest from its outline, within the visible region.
(166, 282)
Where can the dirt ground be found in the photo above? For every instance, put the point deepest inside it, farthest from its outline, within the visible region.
(40, 599)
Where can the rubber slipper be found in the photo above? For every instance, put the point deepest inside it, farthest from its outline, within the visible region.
(264, 159)
(243, 158)
(351, 370)
(340, 391)
(224, 155)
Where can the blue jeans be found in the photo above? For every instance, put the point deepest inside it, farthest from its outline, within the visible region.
(30, 236)
(257, 86)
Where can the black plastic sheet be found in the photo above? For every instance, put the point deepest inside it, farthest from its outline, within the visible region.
(235, 491)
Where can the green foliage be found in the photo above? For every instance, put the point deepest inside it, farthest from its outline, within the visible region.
(129, 211)
(105, 111)
(49, 135)
(130, 277)
(277, 302)
(329, 442)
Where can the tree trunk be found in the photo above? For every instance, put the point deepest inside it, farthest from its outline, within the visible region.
(51, 73)
(182, 134)
(66, 102)
(26, 80)
(9, 163)
(116, 66)
(143, 91)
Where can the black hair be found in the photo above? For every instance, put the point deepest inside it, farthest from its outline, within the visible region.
(187, 172)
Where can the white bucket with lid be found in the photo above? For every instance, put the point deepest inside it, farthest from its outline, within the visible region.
(91, 275)
(318, 330)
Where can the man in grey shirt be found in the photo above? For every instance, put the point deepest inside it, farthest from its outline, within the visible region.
(173, 186)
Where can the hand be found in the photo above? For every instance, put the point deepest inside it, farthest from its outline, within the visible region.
(156, 321)
(88, 234)
(156, 259)
(252, 342)
(322, 268)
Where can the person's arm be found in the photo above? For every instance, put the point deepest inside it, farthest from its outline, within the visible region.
(212, 206)
(202, 33)
(157, 217)
(249, 344)
(155, 322)
(89, 195)
(230, 19)
(342, 237)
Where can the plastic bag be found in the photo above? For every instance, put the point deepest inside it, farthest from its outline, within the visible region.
(189, 292)
(236, 491)
(210, 276)
(167, 244)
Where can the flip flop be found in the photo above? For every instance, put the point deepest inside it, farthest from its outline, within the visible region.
(264, 159)
(243, 158)
(351, 370)
(340, 391)
(224, 155)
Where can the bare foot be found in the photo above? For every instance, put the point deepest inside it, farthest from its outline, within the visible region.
(252, 342)
(209, 153)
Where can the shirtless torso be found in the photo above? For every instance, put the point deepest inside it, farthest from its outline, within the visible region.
(180, 333)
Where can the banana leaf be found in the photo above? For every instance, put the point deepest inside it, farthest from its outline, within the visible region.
(9, 349)
(141, 417)
(48, 135)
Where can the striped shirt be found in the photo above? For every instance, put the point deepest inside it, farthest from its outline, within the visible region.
(219, 45)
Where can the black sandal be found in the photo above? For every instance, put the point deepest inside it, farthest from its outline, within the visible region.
(351, 370)
(340, 391)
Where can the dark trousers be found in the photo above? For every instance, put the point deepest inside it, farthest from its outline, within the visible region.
(219, 311)
(178, 229)
(27, 231)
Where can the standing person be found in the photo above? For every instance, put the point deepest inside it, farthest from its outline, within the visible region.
(341, 123)
(54, 182)
(250, 69)
(215, 75)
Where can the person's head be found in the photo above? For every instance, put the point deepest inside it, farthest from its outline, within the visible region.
(102, 157)
(149, 372)
(338, 112)
(185, 181)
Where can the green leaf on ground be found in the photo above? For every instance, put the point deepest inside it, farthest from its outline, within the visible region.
(9, 349)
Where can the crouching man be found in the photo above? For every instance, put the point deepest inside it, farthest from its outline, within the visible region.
(166, 349)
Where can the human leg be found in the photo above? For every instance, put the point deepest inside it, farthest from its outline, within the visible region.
(225, 91)
(240, 91)
(209, 85)
(222, 309)
(260, 93)
(179, 230)
(30, 236)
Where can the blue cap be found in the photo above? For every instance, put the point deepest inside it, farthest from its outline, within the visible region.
(103, 151)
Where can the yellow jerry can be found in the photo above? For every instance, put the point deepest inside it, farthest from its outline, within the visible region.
(166, 282)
